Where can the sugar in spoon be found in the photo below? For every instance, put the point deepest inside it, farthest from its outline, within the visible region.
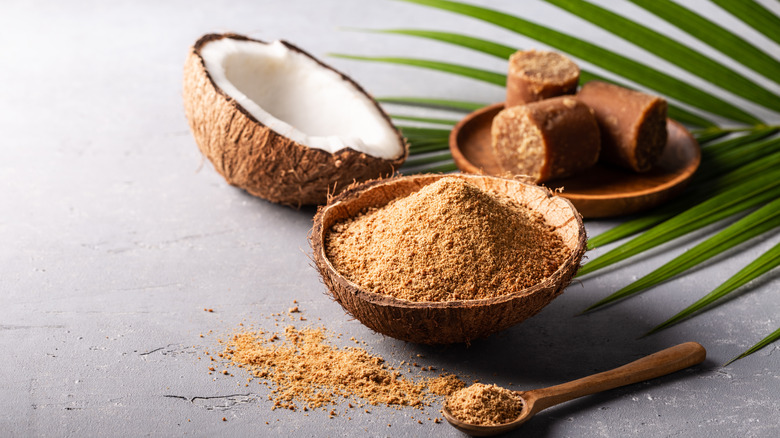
(649, 367)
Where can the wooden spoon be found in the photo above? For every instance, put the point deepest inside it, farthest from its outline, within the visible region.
(659, 364)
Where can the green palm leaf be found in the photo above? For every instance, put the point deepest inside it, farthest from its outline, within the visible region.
(752, 225)
(755, 15)
(442, 167)
(702, 189)
(736, 175)
(714, 150)
(426, 159)
(722, 160)
(430, 120)
(705, 183)
(739, 198)
(716, 36)
(423, 147)
(503, 52)
(480, 45)
(719, 183)
(604, 58)
(671, 50)
(419, 142)
(454, 105)
(706, 136)
(424, 132)
(761, 344)
(763, 264)
(462, 70)
(422, 144)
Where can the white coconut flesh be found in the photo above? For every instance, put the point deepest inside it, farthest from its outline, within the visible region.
(298, 98)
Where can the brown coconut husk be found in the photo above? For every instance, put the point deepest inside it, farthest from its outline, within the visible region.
(251, 156)
(450, 321)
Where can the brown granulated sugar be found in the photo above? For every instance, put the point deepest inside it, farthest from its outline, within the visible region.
(449, 241)
(485, 405)
(304, 371)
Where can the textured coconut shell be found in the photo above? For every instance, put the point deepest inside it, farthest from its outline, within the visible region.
(451, 321)
(251, 156)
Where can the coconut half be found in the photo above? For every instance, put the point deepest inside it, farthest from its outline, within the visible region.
(280, 124)
(445, 322)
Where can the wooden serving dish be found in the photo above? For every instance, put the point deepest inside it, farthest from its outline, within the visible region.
(446, 321)
(600, 191)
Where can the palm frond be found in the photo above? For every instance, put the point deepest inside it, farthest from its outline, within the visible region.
(736, 199)
(761, 344)
(607, 59)
(763, 264)
(762, 220)
(737, 174)
(424, 132)
(424, 147)
(453, 105)
(707, 135)
(442, 167)
(716, 36)
(721, 162)
(502, 51)
(429, 120)
(701, 189)
(744, 139)
(755, 15)
(493, 48)
(427, 159)
(462, 70)
(664, 47)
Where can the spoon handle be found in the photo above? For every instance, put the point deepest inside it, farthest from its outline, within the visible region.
(655, 365)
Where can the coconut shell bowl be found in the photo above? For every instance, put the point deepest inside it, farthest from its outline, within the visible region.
(449, 321)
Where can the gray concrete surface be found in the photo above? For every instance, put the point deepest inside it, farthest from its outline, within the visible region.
(115, 235)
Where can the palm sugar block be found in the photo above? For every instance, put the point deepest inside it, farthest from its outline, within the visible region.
(538, 75)
(544, 140)
(632, 123)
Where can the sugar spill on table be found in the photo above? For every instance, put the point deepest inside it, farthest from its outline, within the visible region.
(304, 371)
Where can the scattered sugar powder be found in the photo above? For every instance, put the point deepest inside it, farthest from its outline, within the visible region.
(485, 405)
(445, 384)
(449, 241)
(304, 371)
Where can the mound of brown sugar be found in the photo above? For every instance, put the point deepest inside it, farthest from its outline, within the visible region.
(449, 241)
(485, 405)
(305, 371)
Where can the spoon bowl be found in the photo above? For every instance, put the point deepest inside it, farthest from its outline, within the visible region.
(649, 367)
(481, 430)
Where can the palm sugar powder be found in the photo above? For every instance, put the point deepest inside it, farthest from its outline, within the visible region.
(448, 241)
(485, 405)
(305, 371)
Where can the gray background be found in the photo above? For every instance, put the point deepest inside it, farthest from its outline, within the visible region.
(115, 235)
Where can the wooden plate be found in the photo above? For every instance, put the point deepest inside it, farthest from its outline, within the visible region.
(600, 191)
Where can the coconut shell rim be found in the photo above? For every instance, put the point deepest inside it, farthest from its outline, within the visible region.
(207, 38)
(557, 279)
